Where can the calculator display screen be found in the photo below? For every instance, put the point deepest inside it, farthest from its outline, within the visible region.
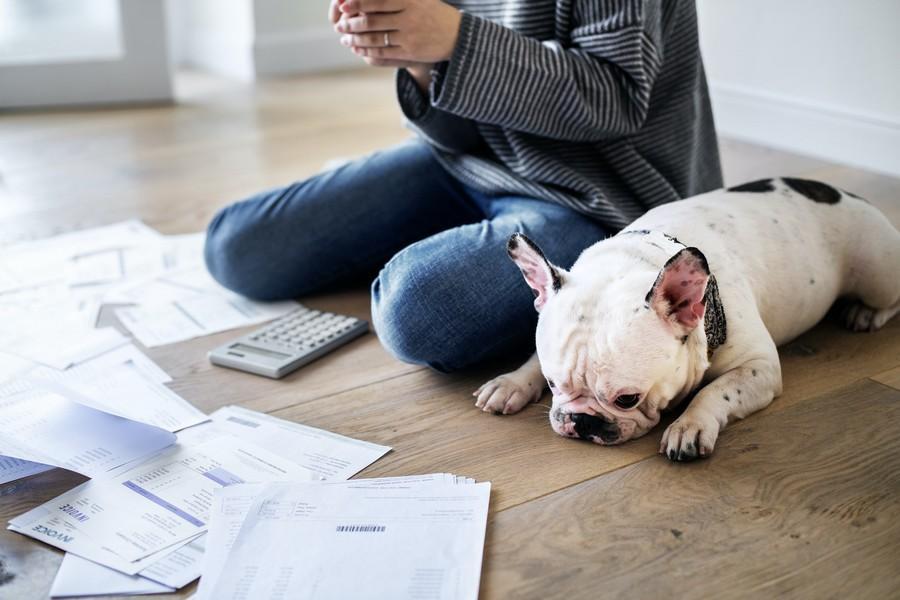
(260, 351)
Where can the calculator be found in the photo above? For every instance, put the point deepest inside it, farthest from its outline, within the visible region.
(288, 343)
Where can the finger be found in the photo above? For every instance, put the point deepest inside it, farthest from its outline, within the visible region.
(369, 40)
(364, 23)
(373, 6)
(389, 53)
(334, 13)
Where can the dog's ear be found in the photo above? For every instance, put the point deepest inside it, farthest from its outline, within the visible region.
(679, 293)
(543, 278)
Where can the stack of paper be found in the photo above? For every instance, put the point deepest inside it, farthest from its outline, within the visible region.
(405, 537)
(145, 522)
(51, 290)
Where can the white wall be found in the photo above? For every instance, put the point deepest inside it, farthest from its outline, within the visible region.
(820, 77)
(246, 39)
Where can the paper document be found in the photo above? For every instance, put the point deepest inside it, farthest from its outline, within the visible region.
(158, 503)
(326, 541)
(231, 504)
(46, 427)
(80, 577)
(159, 324)
(333, 457)
(16, 468)
(316, 452)
(124, 390)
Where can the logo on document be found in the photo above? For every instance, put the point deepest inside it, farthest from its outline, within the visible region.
(59, 535)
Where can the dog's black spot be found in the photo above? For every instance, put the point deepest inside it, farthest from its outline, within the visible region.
(588, 426)
(676, 532)
(727, 399)
(775, 221)
(675, 240)
(753, 371)
(637, 309)
(739, 391)
(814, 190)
(852, 195)
(635, 232)
(684, 340)
(758, 186)
(812, 281)
(711, 226)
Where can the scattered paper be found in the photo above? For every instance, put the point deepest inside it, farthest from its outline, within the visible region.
(297, 540)
(46, 427)
(80, 577)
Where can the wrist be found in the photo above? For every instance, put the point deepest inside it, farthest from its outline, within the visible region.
(421, 73)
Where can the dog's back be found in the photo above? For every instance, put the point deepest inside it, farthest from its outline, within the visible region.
(793, 245)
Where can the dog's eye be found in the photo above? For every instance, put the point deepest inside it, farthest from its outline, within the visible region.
(627, 400)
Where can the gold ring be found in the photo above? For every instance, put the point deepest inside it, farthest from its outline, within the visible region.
(387, 39)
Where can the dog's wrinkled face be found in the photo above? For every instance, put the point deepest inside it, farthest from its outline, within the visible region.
(613, 353)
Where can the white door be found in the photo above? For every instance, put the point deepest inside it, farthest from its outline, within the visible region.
(78, 52)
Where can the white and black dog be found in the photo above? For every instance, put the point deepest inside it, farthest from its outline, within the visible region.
(694, 295)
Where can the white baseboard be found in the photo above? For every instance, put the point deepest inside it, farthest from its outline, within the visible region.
(305, 51)
(859, 139)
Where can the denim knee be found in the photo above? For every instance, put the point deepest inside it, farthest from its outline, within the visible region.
(231, 257)
(407, 317)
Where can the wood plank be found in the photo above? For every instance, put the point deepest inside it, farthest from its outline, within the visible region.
(890, 377)
(802, 504)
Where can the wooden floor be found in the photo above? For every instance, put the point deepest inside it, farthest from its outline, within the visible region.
(801, 500)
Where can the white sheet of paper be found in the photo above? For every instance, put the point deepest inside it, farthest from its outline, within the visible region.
(16, 468)
(195, 316)
(155, 505)
(122, 389)
(80, 577)
(230, 506)
(332, 456)
(40, 262)
(45, 427)
(57, 340)
(297, 540)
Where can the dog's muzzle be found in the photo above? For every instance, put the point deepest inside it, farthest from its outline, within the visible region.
(589, 427)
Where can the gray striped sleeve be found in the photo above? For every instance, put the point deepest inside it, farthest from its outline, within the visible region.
(596, 88)
(445, 130)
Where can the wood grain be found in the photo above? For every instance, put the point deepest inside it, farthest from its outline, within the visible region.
(803, 503)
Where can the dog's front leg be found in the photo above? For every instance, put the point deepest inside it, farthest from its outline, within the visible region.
(511, 392)
(734, 395)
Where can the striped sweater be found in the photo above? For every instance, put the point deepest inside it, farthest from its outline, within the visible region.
(600, 105)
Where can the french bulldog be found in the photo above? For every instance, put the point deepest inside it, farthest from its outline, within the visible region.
(693, 298)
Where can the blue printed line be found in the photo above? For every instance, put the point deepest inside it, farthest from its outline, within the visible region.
(170, 507)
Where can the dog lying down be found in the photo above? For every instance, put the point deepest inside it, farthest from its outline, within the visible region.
(696, 295)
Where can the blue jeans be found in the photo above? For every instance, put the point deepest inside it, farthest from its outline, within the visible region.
(447, 295)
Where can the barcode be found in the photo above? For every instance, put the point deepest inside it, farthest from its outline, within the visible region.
(359, 528)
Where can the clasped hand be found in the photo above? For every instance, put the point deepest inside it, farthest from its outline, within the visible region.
(417, 32)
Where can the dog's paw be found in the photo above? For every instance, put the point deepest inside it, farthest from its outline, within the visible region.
(690, 436)
(506, 394)
(861, 317)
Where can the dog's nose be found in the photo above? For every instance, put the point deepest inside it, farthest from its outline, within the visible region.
(588, 426)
